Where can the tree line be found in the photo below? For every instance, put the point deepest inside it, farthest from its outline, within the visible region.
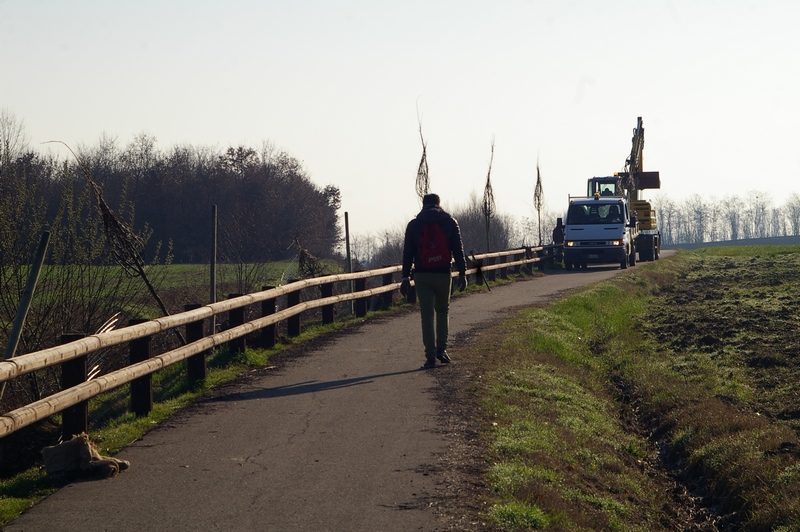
(159, 202)
(700, 219)
(266, 200)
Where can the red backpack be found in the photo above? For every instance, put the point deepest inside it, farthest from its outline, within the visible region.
(434, 251)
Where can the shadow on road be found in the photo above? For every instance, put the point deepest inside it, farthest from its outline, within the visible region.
(305, 387)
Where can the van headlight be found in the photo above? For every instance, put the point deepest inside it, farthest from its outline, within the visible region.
(617, 242)
(569, 243)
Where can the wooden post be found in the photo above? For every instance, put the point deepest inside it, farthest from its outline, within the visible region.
(386, 299)
(293, 323)
(74, 419)
(268, 307)
(196, 364)
(515, 258)
(361, 303)
(236, 318)
(504, 269)
(142, 387)
(490, 274)
(528, 255)
(349, 263)
(326, 290)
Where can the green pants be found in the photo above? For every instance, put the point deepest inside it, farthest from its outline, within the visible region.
(433, 294)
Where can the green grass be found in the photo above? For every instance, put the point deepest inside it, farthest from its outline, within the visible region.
(554, 428)
(557, 406)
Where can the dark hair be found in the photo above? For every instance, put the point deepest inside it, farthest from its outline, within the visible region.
(430, 199)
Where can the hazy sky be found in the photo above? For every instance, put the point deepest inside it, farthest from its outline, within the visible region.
(340, 85)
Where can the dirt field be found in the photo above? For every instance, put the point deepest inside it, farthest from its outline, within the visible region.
(729, 319)
(741, 312)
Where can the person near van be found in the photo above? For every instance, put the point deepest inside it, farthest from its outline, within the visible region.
(558, 232)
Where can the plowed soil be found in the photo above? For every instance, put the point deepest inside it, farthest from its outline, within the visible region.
(741, 312)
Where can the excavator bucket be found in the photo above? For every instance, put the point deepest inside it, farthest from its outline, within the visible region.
(647, 180)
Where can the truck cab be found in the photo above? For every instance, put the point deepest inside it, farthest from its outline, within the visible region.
(600, 229)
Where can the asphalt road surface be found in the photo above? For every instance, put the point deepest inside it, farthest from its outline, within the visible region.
(344, 436)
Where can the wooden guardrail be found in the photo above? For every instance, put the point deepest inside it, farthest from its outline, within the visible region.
(77, 390)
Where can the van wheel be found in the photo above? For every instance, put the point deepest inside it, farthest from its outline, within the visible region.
(632, 258)
(624, 263)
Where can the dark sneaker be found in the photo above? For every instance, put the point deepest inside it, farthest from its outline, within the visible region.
(429, 364)
(442, 356)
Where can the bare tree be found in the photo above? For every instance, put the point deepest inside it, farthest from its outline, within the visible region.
(78, 289)
(124, 243)
(793, 212)
(696, 210)
(423, 180)
(666, 210)
(538, 197)
(757, 206)
(778, 225)
(732, 208)
(472, 221)
(13, 139)
(488, 206)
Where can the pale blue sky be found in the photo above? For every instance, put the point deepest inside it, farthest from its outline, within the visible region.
(337, 84)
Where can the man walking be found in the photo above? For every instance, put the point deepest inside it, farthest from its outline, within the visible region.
(432, 241)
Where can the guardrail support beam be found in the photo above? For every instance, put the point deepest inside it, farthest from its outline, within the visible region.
(74, 419)
(236, 318)
(268, 308)
(196, 367)
(293, 322)
(386, 297)
(491, 275)
(326, 290)
(142, 387)
(542, 259)
(528, 267)
(518, 268)
(360, 304)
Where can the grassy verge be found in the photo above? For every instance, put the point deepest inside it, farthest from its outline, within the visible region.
(585, 412)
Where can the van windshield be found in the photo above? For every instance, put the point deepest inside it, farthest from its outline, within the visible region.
(594, 214)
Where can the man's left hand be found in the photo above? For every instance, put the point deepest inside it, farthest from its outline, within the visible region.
(405, 286)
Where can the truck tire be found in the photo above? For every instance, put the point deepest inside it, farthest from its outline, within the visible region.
(632, 258)
(624, 263)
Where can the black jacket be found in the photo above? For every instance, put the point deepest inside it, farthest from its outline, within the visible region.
(451, 230)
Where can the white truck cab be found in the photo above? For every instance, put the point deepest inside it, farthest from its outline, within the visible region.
(600, 229)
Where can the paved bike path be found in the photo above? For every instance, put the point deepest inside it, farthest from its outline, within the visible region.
(345, 436)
